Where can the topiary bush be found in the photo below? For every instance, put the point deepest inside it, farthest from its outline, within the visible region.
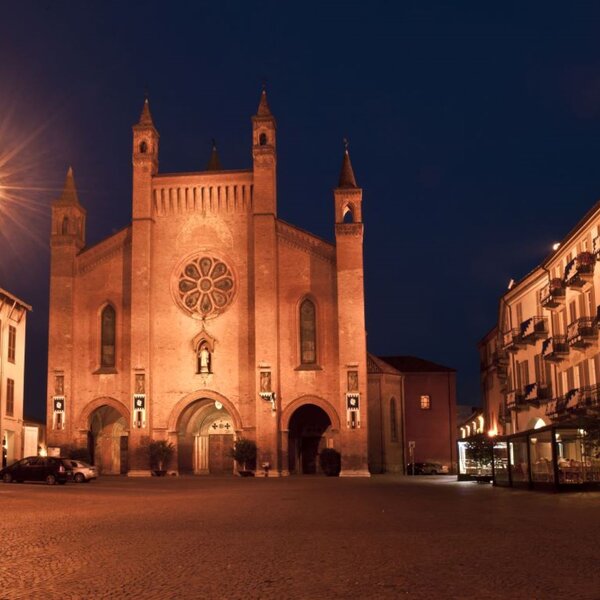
(330, 461)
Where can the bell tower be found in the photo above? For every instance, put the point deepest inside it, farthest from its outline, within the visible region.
(145, 166)
(264, 155)
(351, 321)
(67, 238)
(266, 284)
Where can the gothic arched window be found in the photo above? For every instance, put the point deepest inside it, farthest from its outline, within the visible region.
(262, 139)
(65, 226)
(393, 420)
(107, 337)
(143, 148)
(308, 333)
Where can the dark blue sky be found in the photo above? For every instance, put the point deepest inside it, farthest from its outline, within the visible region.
(474, 131)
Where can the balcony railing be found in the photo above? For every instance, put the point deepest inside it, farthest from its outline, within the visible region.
(555, 409)
(580, 270)
(499, 362)
(556, 348)
(512, 340)
(582, 333)
(536, 393)
(534, 329)
(553, 295)
(514, 400)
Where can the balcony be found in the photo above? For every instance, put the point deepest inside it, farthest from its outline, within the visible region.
(499, 362)
(555, 409)
(534, 329)
(580, 270)
(536, 393)
(552, 297)
(512, 341)
(582, 333)
(514, 400)
(556, 348)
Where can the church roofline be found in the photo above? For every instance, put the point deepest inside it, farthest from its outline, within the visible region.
(305, 232)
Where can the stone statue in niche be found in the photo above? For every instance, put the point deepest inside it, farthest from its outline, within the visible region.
(59, 385)
(265, 381)
(140, 383)
(204, 359)
(352, 381)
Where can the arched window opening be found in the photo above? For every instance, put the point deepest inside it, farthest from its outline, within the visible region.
(308, 330)
(108, 326)
(348, 214)
(393, 420)
(262, 139)
(143, 147)
(65, 226)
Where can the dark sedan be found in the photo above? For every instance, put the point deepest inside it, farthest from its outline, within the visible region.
(38, 468)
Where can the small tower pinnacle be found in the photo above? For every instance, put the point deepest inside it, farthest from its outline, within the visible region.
(69, 192)
(214, 164)
(263, 105)
(347, 179)
(146, 116)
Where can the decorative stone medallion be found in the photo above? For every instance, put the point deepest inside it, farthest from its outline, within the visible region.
(203, 286)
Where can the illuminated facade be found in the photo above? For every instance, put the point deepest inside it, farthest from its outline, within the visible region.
(209, 318)
(13, 321)
(541, 367)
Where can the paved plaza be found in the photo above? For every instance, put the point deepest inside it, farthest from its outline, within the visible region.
(309, 537)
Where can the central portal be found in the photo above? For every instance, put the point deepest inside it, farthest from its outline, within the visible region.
(206, 436)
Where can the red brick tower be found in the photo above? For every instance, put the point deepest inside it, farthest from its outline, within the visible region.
(67, 238)
(145, 165)
(266, 284)
(351, 321)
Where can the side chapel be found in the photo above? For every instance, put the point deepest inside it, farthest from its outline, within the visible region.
(209, 318)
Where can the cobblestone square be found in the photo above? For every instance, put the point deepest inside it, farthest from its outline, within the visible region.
(384, 537)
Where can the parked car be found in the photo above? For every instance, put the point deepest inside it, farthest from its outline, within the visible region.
(427, 468)
(38, 468)
(82, 472)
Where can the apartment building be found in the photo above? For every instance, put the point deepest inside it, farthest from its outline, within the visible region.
(13, 317)
(540, 368)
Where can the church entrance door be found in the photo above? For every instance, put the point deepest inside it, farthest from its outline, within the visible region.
(309, 429)
(108, 441)
(205, 439)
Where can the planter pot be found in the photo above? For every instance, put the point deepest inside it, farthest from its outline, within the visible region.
(160, 473)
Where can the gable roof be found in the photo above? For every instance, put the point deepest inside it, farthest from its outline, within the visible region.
(376, 365)
(414, 364)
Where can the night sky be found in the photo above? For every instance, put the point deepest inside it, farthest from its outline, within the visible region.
(474, 131)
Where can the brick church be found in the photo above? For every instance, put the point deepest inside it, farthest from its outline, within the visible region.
(209, 318)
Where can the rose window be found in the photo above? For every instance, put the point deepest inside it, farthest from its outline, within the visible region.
(205, 286)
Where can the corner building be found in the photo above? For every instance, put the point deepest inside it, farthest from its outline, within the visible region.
(208, 318)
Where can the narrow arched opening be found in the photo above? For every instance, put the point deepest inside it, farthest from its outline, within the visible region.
(143, 147)
(309, 433)
(262, 139)
(348, 214)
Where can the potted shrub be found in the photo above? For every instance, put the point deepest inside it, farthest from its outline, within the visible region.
(244, 454)
(161, 453)
(330, 461)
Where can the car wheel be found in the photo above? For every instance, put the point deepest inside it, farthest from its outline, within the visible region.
(7, 478)
(51, 479)
(79, 478)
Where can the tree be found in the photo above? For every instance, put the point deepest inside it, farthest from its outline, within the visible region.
(479, 449)
(161, 453)
(244, 453)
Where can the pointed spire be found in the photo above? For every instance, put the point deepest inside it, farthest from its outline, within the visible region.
(214, 164)
(347, 179)
(263, 105)
(69, 193)
(146, 116)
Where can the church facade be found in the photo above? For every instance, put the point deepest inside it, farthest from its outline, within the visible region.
(208, 319)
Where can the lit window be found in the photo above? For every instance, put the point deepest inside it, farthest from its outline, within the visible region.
(425, 402)
(107, 353)
(12, 343)
(308, 338)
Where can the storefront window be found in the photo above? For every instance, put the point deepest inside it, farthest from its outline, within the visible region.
(519, 467)
(573, 465)
(540, 453)
(501, 463)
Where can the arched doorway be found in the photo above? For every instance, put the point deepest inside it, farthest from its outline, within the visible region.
(108, 440)
(205, 438)
(309, 432)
